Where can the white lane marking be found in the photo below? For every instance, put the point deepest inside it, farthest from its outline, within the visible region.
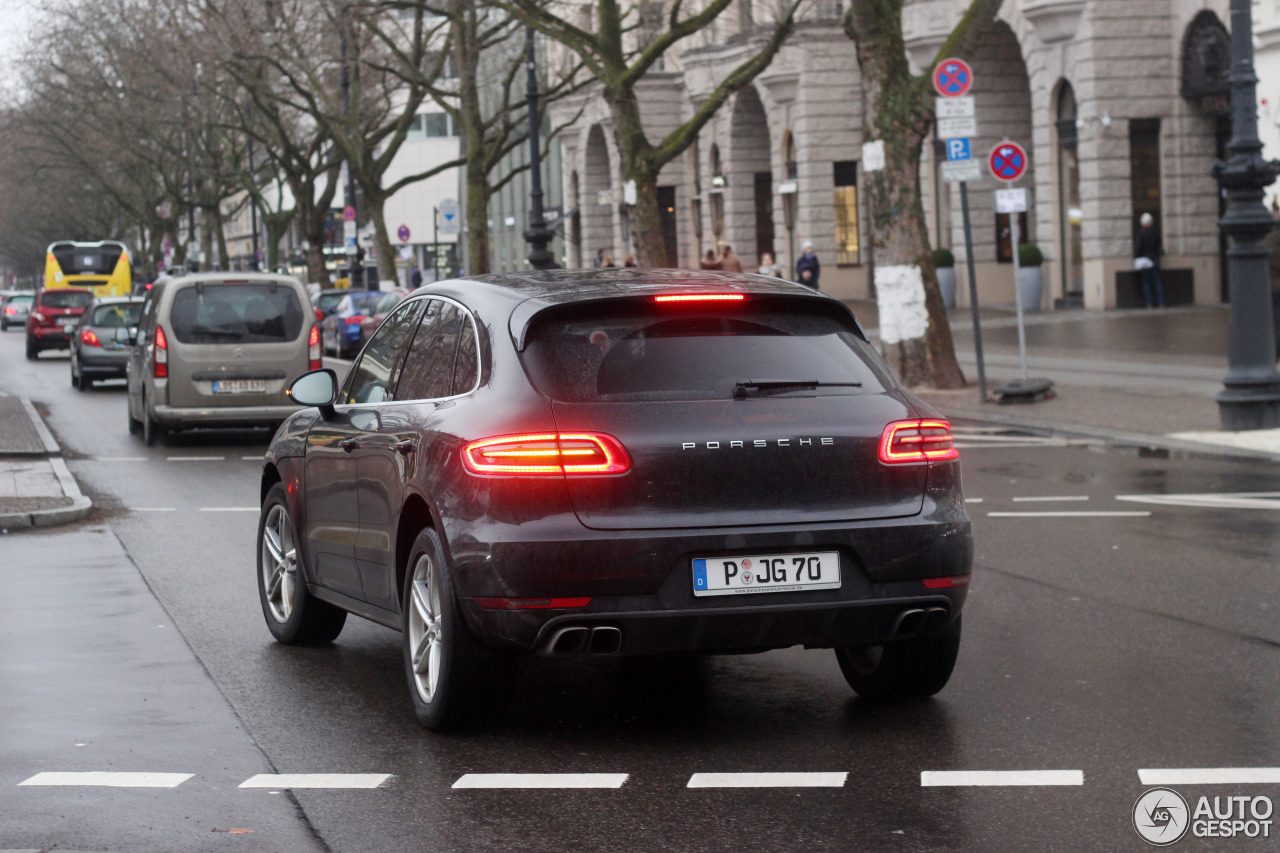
(767, 780)
(1227, 500)
(1211, 776)
(315, 780)
(541, 780)
(151, 509)
(258, 458)
(102, 779)
(196, 458)
(119, 459)
(1066, 514)
(973, 500)
(1050, 499)
(229, 509)
(985, 778)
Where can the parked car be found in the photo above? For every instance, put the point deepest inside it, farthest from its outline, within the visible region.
(340, 331)
(390, 299)
(217, 349)
(617, 462)
(325, 301)
(53, 318)
(15, 308)
(101, 343)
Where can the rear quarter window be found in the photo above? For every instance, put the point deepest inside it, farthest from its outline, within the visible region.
(633, 351)
(236, 314)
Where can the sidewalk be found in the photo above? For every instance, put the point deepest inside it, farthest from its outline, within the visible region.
(1139, 377)
(36, 488)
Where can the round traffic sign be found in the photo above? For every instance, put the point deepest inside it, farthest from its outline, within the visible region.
(953, 78)
(349, 213)
(1008, 161)
(403, 233)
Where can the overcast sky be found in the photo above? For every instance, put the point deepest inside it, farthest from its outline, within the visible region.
(17, 16)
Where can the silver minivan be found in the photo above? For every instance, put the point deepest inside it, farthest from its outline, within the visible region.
(218, 350)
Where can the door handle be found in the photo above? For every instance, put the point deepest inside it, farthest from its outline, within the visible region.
(349, 444)
(406, 447)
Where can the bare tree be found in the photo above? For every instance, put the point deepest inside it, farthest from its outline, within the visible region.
(898, 109)
(619, 62)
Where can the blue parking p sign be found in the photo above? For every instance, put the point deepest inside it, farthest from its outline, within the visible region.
(959, 149)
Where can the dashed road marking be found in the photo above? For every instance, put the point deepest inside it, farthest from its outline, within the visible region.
(230, 509)
(195, 458)
(151, 509)
(119, 459)
(315, 780)
(1227, 500)
(994, 778)
(101, 779)
(257, 458)
(973, 500)
(1051, 499)
(1066, 514)
(541, 780)
(767, 780)
(1212, 776)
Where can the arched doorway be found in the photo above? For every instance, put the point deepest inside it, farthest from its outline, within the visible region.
(749, 202)
(1070, 210)
(597, 203)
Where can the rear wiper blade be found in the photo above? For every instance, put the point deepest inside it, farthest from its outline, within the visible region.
(750, 388)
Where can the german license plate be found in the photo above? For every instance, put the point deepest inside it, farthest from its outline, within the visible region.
(239, 386)
(766, 573)
(67, 322)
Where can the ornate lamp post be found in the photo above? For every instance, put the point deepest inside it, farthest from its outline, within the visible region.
(1250, 398)
(537, 235)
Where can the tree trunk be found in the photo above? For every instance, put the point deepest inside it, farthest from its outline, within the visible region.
(386, 253)
(478, 237)
(277, 225)
(633, 149)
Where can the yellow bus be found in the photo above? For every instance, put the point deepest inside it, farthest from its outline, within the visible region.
(102, 267)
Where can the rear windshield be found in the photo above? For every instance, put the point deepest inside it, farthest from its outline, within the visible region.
(236, 314)
(640, 352)
(24, 299)
(363, 303)
(116, 315)
(328, 301)
(65, 299)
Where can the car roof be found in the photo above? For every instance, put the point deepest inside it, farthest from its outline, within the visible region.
(115, 300)
(529, 293)
(217, 278)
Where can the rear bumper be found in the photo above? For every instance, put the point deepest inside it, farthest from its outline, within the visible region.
(50, 337)
(104, 363)
(228, 416)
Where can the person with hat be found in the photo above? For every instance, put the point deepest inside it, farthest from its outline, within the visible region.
(808, 262)
(1146, 260)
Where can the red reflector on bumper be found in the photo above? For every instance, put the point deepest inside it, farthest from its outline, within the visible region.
(946, 583)
(531, 603)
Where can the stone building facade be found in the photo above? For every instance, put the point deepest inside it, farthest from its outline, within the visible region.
(1120, 104)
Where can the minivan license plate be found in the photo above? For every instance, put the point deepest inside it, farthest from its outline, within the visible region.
(766, 573)
(239, 386)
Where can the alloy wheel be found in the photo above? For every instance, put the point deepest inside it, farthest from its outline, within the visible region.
(279, 563)
(426, 634)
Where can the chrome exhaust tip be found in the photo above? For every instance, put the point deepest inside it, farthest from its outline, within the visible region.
(908, 623)
(935, 619)
(605, 640)
(568, 641)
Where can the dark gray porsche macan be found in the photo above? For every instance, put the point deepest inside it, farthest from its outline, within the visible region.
(620, 462)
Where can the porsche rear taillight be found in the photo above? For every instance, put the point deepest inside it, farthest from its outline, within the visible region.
(547, 454)
(917, 441)
(313, 348)
(160, 355)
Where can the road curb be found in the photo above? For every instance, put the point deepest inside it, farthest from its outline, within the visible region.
(1114, 436)
(80, 505)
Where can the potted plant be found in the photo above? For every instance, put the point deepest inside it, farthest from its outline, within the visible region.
(1030, 276)
(944, 262)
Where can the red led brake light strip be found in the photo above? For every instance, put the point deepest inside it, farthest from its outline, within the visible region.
(700, 297)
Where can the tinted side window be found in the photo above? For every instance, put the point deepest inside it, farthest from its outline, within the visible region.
(428, 371)
(371, 379)
(466, 366)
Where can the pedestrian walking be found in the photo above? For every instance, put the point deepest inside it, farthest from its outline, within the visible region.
(768, 267)
(808, 263)
(1146, 260)
(415, 277)
(729, 262)
(709, 261)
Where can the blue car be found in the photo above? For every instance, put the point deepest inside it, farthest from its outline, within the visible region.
(340, 331)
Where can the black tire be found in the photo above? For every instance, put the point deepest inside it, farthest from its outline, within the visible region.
(906, 669)
(33, 351)
(4, 327)
(135, 425)
(294, 616)
(78, 381)
(469, 677)
(151, 430)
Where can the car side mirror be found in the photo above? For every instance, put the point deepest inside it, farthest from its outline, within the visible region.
(315, 388)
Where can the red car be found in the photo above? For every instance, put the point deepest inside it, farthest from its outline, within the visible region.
(53, 319)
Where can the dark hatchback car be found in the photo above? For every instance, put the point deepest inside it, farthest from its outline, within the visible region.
(101, 343)
(622, 462)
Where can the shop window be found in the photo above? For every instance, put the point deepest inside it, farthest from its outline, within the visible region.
(846, 211)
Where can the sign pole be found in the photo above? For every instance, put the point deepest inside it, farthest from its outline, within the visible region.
(435, 243)
(1017, 294)
(973, 292)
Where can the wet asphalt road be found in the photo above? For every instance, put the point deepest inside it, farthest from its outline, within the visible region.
(1104, 644)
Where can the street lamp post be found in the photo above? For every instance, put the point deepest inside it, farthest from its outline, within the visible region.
(537, 234)
(355, 266)
(1250, 398)
(253, 211)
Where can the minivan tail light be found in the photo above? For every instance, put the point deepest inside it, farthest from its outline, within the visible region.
(313, 347)
(160, 355)
(917, 441)
(547, 454)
